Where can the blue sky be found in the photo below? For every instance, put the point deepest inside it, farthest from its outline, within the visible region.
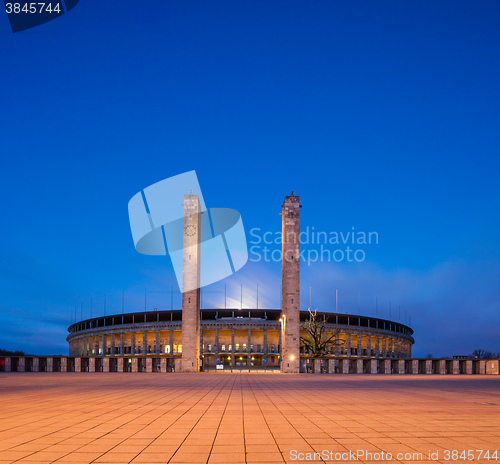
(383, 116)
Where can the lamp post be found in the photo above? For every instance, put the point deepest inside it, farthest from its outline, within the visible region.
(283, 326)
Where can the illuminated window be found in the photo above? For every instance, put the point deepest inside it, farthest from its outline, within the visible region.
(167, 349)
(223, 348)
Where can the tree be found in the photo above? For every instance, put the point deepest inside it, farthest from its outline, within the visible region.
(11, 353)
(483, 354)
(317, 342)
(429, 356)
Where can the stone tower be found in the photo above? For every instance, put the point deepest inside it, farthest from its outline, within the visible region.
(290, 285)
(191, 285)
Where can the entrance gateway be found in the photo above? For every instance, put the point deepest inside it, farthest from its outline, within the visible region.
(192, 360)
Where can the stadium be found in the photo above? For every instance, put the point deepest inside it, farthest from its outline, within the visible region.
(195, 339)
(236, 338)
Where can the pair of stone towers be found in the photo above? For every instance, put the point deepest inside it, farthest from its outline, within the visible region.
(290, 285)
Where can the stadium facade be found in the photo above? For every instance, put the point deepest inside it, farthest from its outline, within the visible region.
(236, 339)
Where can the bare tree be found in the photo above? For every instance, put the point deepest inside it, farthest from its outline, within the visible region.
(483, 354)
(317, 341)
(11, 353)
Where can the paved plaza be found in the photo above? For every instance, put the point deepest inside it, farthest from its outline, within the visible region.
(240, 418)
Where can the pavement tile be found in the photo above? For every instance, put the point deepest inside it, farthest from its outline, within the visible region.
(264, 457)
(236, 458)
(189, 457)
(240, 418)
(152, 458)
(116, 457)
(79, 457)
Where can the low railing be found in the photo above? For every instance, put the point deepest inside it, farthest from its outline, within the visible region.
(325, 365)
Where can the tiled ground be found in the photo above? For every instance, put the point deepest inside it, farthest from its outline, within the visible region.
(239, 418)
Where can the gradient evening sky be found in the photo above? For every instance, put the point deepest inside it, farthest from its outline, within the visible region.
(383, 116)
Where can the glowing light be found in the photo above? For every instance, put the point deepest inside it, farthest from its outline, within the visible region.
(292, 357)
